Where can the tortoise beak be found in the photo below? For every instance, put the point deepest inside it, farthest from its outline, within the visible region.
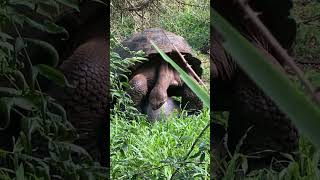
(158, 106)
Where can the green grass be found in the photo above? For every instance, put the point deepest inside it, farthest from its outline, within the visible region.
(155, 150)
(307, 46)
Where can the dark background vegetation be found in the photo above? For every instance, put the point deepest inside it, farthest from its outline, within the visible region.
(41, 137)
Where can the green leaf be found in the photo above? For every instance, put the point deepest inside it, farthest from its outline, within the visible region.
(99, 1)
(74, 148)
(6, 45)
(9, 92)
(18, 46)
(192, 84)
(20, 173)
(52, 5)
(48, 26)
(27, 103)
(20, 80)
(27, 4)
(43, 10)
(244, 165)
(5, 109)
(29, 125)
(53, 56)
(57, 107)
(196, 155)
(35, 73)
(53, 74)
(5, 36)
(7, 103)
(70, 3)
(300, 109)
(51, 27)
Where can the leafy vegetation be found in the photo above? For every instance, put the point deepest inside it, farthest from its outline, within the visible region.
(179, 146)
(34, 122)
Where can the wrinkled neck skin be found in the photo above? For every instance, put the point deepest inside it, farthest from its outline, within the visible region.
(158, 95)
(223, 67)
(165, 76)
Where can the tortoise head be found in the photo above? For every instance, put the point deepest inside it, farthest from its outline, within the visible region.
(158, 96)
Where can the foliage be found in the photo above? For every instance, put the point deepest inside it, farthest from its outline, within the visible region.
(119, 69)
(141, 150)
(308, 35)
(43, 144)
(174, 16)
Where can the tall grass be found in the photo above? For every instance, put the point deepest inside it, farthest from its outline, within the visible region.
(145, 150)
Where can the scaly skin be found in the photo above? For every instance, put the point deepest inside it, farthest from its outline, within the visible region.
(84, 58)
(235, 92)
(166, 77)
(155, 81)
(250, 107)
(87, 104)
(142, 81)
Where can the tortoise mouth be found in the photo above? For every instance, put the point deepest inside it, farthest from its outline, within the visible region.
(158, 106)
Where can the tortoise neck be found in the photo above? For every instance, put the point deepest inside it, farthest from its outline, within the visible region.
(164, 76)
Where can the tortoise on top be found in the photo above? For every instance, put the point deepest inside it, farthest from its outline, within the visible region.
(165, 41)
(145, 75)
(268, 131)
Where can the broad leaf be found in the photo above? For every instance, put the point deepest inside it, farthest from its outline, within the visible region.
(53, 74)
(70, 3)
(53, 57)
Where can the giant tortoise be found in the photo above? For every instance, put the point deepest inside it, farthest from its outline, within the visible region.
(153, 81)
(272, 132)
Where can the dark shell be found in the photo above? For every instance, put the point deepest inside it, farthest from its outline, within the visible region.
(164, 40)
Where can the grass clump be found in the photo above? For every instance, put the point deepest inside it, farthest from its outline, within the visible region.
(156, 150)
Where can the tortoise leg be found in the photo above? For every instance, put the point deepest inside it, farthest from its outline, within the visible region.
(270, 128)
(138, 89)
(86, 104)
(218, 151)
(190, 100)
(167, 77)
(158, 95)
(142, 81)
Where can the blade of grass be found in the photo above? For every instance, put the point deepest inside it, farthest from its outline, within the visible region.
(193, 85)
